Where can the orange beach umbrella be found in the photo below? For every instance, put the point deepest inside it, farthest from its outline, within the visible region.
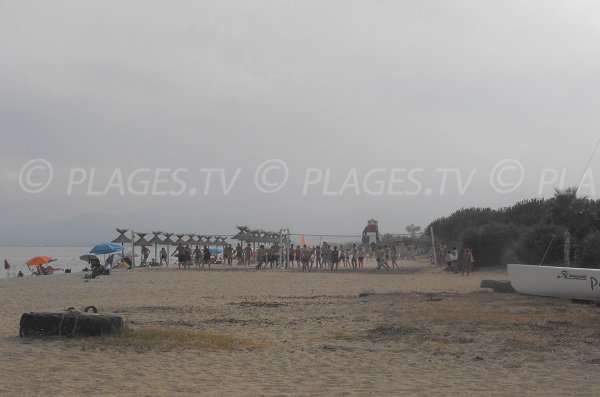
(39, 260)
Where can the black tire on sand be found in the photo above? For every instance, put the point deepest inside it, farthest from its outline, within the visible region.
(68, 323)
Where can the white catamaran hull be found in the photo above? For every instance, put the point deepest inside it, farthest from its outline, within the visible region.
(559, 282)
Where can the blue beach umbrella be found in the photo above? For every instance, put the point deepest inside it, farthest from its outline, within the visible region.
(106, 248)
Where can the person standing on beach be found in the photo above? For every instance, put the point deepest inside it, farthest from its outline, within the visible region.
(145, 253)
(7, 268)
(454, 260)
(163, 256)
(247, 254)
(467, 261)
(305, 255)
(361, 257)
(318, 262)
(239, 253)
(342, 255)
(187, 257)
(229, 254)
(197, 257)
(206, 257)
(354, 256)
(394, 256)
(273, 256)
(292, 255)
(335, 258)
(325, 255)
(298, 254)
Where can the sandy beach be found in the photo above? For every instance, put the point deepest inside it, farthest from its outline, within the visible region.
(415, 331)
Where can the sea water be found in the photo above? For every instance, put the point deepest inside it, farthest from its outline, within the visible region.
(67, 258)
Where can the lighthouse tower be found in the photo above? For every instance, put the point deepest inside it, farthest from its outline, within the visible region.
(371, 232)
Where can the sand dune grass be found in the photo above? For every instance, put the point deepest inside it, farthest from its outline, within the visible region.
(169, 339)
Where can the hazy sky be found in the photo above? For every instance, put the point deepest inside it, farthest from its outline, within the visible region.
(362, 88)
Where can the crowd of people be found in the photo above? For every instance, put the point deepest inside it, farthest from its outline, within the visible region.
(323, 256)
(454, 262)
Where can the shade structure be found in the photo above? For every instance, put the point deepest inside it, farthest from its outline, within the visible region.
(40, 260)
(88, 257)
(168, 240)
(192, 236)
(142, 242)
(156, 240)
(106, 248)
(256, 236)
(219, 240)
(179, 240)
(122, 239)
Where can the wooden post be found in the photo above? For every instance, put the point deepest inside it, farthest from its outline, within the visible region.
(434, 250)
(567, 249)
(132, 249)
(288, 242)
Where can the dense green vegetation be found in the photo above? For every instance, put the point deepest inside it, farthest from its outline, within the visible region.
(523, 232)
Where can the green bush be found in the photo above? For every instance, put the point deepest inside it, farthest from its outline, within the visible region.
(589, 255)
(492, 244)
(536, 240)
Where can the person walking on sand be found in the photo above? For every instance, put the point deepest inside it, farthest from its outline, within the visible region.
(7, 268)
(180, 254)
(261, 254)
(380, 258)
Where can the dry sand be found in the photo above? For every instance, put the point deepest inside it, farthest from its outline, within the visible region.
(417, 331)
